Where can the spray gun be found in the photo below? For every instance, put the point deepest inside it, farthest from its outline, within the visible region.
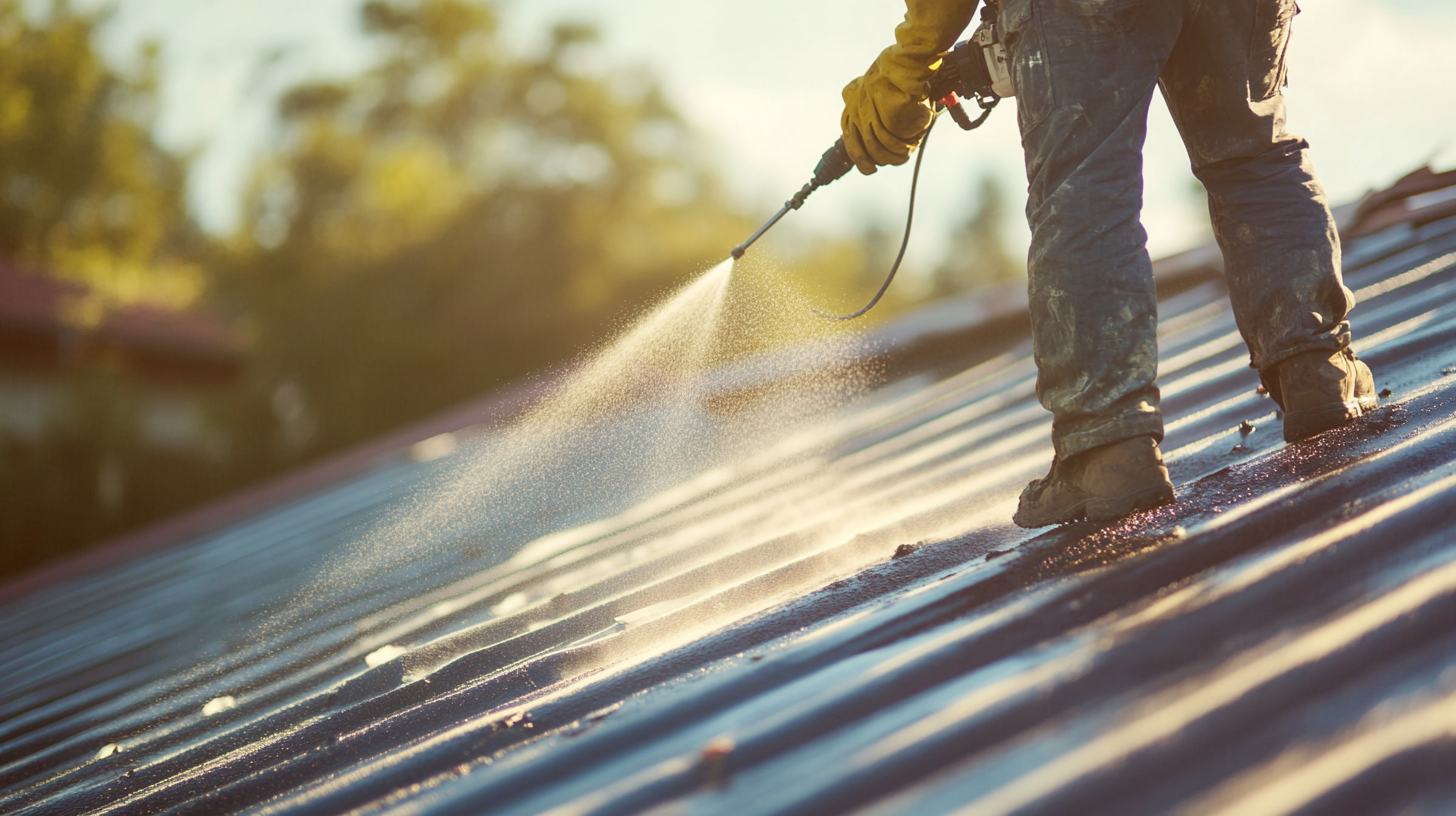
(975, 68)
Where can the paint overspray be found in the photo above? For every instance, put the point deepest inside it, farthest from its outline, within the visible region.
(690, 393)
(654, 412)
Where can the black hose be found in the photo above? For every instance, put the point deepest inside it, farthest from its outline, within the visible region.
(904, 242)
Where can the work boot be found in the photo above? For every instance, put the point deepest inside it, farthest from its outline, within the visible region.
(1320, 390)
(1101, 484)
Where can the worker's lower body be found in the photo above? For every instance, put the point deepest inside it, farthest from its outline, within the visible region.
(1084, 73)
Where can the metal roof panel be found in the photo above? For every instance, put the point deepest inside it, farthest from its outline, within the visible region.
(845, 621)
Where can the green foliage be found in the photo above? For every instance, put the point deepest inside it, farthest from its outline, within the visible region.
(459, 216)
(85, 192)
(87, 195)
(978, 253)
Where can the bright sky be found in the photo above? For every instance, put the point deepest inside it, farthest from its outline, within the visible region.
(1371, 87)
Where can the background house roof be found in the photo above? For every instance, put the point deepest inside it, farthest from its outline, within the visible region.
(844, 620)
(36, 308)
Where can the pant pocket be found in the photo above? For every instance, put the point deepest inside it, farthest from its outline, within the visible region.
(1269, 48)
(1030, 74)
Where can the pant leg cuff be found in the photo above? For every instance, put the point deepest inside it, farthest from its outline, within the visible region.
(1069, 444)
(1334, 342)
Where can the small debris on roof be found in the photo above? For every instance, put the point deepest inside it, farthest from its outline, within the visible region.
(591, 720)
(436, 447)
(1246, 427)
(906, 549)
(218, 705)
(383, 655)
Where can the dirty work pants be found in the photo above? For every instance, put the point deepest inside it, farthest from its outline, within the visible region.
(1084, 72)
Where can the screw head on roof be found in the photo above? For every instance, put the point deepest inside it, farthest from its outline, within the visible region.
(715, 761)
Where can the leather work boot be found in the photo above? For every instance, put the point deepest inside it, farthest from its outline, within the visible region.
(1101, 484)
(1320, 390)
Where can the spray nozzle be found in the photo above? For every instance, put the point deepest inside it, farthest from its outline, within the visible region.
(832, 166)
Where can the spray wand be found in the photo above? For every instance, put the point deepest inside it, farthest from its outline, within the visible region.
(976, 68)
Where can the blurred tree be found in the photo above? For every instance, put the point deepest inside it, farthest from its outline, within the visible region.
(85, 191)
(978, 253)
(457, 217)
(86, 195)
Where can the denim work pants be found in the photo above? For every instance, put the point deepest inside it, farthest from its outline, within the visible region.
(1084, 72)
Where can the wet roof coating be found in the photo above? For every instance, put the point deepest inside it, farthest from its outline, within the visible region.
(798, 633)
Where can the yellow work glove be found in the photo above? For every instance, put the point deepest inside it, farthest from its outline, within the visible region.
(887, 111)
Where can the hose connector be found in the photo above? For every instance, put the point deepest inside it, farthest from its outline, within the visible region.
(831, 167)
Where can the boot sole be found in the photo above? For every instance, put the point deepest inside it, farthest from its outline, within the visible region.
(1149, 499)
(1315, 421)
(1099, 510)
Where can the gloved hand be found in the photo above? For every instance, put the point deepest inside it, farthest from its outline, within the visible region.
(887, 111)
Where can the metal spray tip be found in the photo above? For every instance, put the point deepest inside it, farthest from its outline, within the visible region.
(832, 165)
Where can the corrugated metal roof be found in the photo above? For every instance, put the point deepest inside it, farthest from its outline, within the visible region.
(797, 632)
